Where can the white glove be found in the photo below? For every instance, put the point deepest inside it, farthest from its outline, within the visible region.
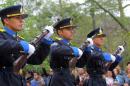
(80, 53)
(51, 31)
(113, 58)
(89, 41)
(31, 50)
(120, 50)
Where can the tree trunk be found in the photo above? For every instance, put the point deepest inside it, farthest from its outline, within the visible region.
(92, 13)
(60, 5)
(121, 9)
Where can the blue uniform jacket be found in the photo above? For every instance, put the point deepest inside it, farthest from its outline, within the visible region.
(10, 49)
(61, 53)
(95, 61)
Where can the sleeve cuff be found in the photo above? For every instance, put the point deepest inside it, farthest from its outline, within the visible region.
(47, 41)
(118, 58)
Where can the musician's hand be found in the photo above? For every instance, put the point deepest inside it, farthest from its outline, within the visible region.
(27, 48)
(120, 50)
(50, 30)
(31, 50)
(80, 53)
(89, 41)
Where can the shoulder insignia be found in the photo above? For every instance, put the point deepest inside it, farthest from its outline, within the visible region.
(20, 37)
(2, 30)
(58, 38)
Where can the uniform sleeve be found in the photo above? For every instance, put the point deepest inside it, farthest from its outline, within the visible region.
(114, 64)
(9, 45)
(89, 52)
(82, 61)
(61, 50)
(40, 54)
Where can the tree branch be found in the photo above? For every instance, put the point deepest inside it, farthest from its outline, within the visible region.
(126, 6)
(121, 25)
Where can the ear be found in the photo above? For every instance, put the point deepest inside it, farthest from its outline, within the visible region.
(94, 39)
(6, 20)
(59, 32)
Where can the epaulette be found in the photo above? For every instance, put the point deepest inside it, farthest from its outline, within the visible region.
(2, 30)
(20, 37)
(58, 38)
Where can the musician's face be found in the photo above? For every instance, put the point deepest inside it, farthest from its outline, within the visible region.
(99, 40)
(67, 33)
(14, 23)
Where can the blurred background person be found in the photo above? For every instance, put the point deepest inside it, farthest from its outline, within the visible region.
(118, 76)
(81, 76)
(109, 78)
(37, 80)
(127, 75)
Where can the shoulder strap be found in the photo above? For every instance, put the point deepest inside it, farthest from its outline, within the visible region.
(2, 30)
(20, 37)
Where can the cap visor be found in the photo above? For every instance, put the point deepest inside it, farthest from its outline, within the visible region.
(73, 26)
(13, 15)
(103, 35)
(24, 16)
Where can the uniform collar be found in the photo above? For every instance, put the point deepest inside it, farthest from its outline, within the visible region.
(10, 32)
(97, 48)
(65, 41)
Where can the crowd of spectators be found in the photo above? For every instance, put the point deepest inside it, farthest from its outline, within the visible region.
(117, 77)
